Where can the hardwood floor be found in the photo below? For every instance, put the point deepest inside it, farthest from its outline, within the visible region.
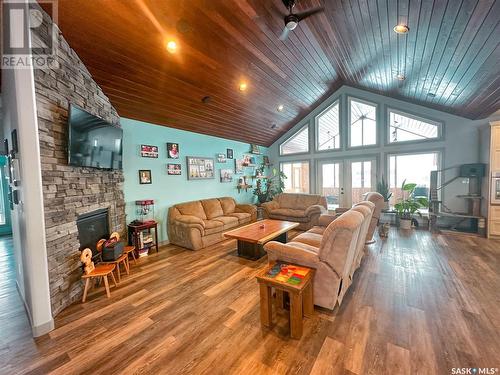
(420, 304)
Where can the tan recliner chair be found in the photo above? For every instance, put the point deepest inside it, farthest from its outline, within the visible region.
(365, 208)
(378, 200)
(375, 198)
(332, 259)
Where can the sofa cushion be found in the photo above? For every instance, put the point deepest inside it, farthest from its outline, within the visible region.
(227, 221)
(212, 208)
(287, 200)
(228, 205)
(243, 217)
(213, 226)
(193, 208)
(309, 238)
(288, 212)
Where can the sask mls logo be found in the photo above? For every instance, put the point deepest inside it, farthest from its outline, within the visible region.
(474, 370)
(29, 34)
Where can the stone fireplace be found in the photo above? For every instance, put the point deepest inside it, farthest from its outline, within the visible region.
(73, 196)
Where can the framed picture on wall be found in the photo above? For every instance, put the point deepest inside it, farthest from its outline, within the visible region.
(221, 158)
(238, 166)
(229, 153)
(174, 169)
(173, 150)
(226, 175)
(200, 168)
(148, 151)
(254, 149)
(145, 176)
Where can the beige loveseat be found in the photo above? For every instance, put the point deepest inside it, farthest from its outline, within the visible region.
(301, 208)
(199, 224)
(334, 248)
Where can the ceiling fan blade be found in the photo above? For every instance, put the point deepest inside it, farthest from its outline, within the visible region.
(284, 34)
(309, 13)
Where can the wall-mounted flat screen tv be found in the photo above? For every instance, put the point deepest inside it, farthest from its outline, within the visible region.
(92, 141)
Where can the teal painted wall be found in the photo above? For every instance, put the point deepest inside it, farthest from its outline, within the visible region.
(167, 190)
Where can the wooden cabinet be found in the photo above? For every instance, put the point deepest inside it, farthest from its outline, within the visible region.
(494, 210)
(495, 148)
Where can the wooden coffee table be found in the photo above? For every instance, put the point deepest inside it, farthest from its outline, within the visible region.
(252, 237)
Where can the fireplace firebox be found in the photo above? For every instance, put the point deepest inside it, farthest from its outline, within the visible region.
(92, 227)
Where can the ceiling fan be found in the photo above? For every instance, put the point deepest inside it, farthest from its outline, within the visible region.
(292, 19)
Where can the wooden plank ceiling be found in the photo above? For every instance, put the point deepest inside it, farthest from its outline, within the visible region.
(450, 58)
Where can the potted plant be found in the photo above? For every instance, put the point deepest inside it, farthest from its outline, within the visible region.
(383, 189)
(266, 188)
(408, 205)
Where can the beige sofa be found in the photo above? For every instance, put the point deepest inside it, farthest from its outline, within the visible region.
(199, 224)
(334, 248)
(301, 208)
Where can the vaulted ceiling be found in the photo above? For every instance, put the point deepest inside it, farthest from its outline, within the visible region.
(450, 58)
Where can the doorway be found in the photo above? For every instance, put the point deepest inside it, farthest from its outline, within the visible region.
(5, 223)
(344, 182)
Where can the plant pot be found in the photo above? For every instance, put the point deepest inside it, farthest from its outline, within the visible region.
(405, 224)
(386, 205)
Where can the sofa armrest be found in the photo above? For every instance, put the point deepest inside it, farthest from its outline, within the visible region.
(326, 219)
(248, 208)
(294, 252)
(189, 220)
(315, 209)
(269, 206)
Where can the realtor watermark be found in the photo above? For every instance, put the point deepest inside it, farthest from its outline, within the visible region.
(474, 370)
(30, 34)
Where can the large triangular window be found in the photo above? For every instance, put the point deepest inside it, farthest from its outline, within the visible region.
(297, 143)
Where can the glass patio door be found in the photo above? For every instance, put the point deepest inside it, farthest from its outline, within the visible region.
(331, 183)
(344, 182)
(362, 179)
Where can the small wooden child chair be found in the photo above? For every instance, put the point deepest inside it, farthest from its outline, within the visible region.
(126, 249)
(95, 272)
(122, 259)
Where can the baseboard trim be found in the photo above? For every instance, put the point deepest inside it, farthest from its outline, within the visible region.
(43, 329)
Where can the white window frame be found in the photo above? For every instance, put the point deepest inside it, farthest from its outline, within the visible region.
(299, 161)
(376, 144)
(294, 135)
(438, 151)
(316, 127)
(439, 124)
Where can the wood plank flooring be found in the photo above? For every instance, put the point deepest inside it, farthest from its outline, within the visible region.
(419, 304)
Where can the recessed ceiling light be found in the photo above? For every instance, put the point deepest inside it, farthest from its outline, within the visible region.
(401, 28)
(172, 46)
(400, 77)
(280, 108)
(243, 86)
(431, 95)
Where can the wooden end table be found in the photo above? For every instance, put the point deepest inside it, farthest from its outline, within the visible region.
(135, 229)
(301, 298)
(252, 237)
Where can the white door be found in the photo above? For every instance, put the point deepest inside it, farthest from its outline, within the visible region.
(360, 179)
(331, 183)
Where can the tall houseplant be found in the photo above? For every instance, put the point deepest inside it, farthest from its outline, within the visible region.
(274, 184)
(383, 189)
(408, 205)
